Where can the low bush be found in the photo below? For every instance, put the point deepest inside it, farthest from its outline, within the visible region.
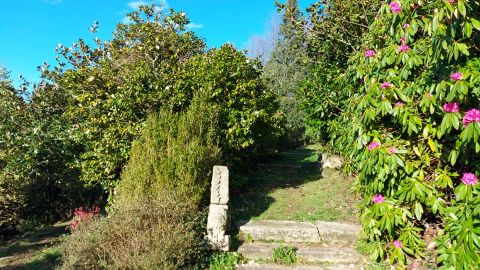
(224, 260)
(164, 233)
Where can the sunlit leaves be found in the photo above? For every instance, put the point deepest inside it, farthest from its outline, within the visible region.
(440, 67)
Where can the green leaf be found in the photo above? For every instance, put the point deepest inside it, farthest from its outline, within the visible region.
(418, 209)
(461, 8)
(476, 23)
(463, 48)
(453, 157)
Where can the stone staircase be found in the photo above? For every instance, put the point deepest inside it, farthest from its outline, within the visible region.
(320, 245)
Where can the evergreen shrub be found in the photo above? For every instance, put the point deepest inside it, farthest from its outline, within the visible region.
(156, 220)
(417, 129)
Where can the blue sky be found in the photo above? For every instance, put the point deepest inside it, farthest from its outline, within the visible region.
(31, 29)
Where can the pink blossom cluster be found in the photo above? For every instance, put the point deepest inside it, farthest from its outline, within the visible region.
(469, 179)
(456, 76)
(451, 107)
(404, 48)
(378, 198)
(370, 53)
(397, 244)
(392, 150)
(472, 116)
(399, 104)
(395, 7)
(373, 145)
(386, 85)
(81, 214)
(405, 26)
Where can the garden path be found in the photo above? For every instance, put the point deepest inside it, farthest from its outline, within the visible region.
(288, 203)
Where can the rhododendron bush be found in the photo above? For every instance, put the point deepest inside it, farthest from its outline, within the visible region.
(417, 132)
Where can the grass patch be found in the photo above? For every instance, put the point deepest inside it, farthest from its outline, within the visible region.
(291, 187)
(284, 255)
(47, 259)
(34, 250)
(225, 260)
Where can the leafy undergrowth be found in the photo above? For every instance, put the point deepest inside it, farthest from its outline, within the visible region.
(292, 187)
(37, 250)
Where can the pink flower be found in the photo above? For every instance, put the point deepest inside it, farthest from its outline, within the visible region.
(395, 7)
(82, 214)
(404, 48)
(456, 76)
(415, 265)
(392, 150)
(397, 244)
(373, 145)
(399, 104)
(370, 53)
(405, 26)
(469, 179)
(451, 107)
(377, 198)
(471, 116)
(452, 1)
(386, 85)
(404, 40)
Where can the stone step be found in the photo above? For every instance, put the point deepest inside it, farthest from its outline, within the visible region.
(329, 254)
(256, 266)
(294, 231)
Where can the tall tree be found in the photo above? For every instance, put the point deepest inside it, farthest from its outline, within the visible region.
(334, 32)
(261, 46)
(286, 70)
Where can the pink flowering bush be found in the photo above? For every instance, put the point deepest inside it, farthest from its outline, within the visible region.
(428, 163)
(83, 214)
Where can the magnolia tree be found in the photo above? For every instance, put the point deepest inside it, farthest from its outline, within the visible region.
(418, 125)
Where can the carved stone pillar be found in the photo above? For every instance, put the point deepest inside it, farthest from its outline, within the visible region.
(218, 215)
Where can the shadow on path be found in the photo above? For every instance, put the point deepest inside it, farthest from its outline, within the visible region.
(288, 171)
(25, 252)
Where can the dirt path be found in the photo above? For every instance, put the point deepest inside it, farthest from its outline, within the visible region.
(33, 251)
